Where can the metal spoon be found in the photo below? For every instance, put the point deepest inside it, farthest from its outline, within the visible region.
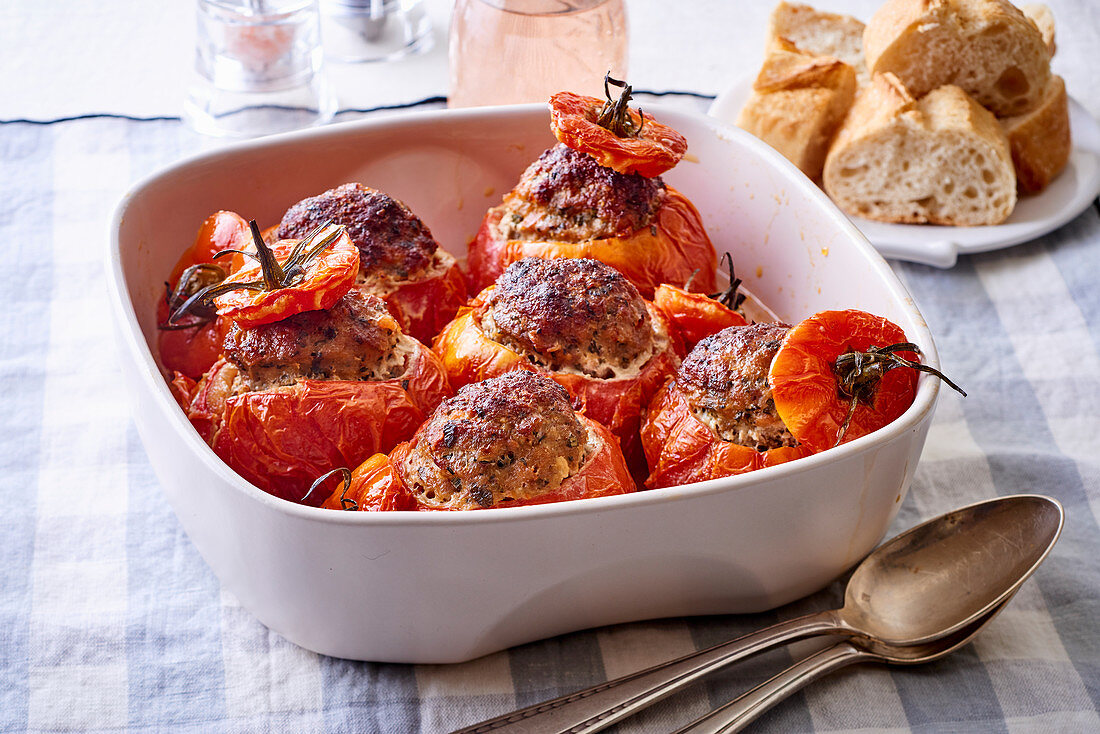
(927, 583)
(743, 710)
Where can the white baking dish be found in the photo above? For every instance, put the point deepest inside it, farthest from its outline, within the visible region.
(446, 587)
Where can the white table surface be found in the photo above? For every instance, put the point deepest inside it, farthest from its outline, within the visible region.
(138, 60)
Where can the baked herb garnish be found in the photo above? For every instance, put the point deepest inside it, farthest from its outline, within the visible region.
(859, 374)
(274, 275)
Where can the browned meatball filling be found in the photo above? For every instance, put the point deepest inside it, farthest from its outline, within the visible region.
(571, 314)
(497, 442)
(725, 378)
(356, 339)
(392, 241)
(567, 196)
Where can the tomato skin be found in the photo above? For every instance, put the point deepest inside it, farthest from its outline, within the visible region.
(222, 230)
(327, 278)
(377, 485)
(190, 351)
(681, 449)
(695, 315)
(469, 355)
(804, 385)
(657, 149)
(424, 307)
(282, 439)
(193, 351)
(673, 249)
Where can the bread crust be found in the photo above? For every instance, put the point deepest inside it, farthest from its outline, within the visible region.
(1043, 19)
(942, 159)
(822, 34)
(1040, 140)
(798, 102)
(989, 48)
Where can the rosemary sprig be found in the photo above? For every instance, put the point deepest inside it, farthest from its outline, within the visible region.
(274, 275)
(615, 113)
(859, 374)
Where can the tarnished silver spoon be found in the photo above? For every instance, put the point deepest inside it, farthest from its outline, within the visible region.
(925, 584)
(743, 710)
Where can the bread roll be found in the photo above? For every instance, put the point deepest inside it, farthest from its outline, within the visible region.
(819, 33)
(1040, 140)
(798, 102)
(987, 47)
(941, 159)
(1043, 19)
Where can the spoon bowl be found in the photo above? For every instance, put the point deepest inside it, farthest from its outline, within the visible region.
(937, 577)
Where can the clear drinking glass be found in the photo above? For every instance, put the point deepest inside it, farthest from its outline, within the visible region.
(375, 30)
(510, 51)
(258, 68)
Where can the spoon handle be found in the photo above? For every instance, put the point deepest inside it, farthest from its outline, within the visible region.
(740, 712)
(602, 705)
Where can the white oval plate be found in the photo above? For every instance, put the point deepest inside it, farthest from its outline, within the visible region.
(1034, 216)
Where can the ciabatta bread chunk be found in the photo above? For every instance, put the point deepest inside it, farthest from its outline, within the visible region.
(987, 47)
(1040, 140)
(1043, 19)
(797, 104)
(941, 159)
(819, 33)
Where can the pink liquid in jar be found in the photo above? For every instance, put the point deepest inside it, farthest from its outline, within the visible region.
(513, 51)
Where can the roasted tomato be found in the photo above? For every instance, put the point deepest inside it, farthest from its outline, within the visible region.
(570, 203)
(695, 315)
(510, 441)
(219, 232)
(399, 260)
(716, 417)
(323, 388)
(616, 136)
(289, 277)
(840, 375)
(191, 344)
(564, 206)
(577, 321)
(190, 347)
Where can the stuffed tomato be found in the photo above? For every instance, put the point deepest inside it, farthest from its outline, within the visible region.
(399, 260)
(717, 417)
(577, 321)
(509, 441)
(597, 194)
(323, 388)
(753, 396)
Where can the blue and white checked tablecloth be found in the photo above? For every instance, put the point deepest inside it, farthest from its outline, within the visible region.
(110, 621)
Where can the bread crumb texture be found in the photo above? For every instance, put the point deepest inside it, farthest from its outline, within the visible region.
(942, 159)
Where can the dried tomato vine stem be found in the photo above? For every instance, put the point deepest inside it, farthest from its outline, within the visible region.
(730, 298)
(345, 478)
(275, 275)
(859, 373)
(615, 113)
(191, 281)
